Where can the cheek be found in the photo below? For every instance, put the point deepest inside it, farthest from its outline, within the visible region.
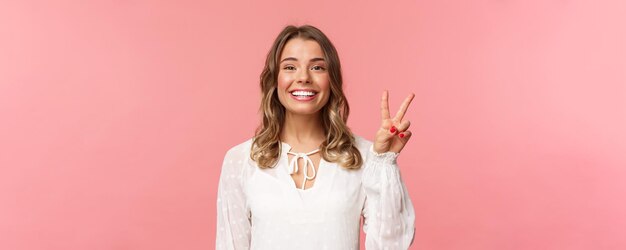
(282, 85)
(283, 81)
(324, 83)
(322, 79)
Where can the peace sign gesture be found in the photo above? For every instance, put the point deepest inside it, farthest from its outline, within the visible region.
(392, 134)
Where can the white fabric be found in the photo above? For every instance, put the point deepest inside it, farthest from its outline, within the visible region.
(262, 209)
(293, 165)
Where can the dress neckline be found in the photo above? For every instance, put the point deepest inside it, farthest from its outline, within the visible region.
(292, 166)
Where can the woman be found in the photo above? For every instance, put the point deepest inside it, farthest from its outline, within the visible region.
(304, 180)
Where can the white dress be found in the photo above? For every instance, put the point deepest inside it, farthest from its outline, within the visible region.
(263, 209)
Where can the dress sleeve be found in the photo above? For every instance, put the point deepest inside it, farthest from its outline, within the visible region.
(233, 214)
(389, 218)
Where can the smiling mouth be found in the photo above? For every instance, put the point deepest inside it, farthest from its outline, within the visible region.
(303, 93)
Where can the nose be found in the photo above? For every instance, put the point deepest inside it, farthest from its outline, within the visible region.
(303, 76)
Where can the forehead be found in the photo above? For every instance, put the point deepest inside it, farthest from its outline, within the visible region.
(300, 48)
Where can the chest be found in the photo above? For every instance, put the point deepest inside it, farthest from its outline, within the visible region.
(307, 170)
(272, 193)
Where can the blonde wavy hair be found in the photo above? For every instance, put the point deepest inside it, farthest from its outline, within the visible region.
(339, 145)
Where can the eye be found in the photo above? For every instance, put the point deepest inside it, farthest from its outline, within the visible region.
(317, 67)
(289, 67)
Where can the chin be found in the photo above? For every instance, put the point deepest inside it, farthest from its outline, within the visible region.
(304, 111)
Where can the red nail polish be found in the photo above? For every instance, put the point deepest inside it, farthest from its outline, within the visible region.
(401, 135)
(393, 129)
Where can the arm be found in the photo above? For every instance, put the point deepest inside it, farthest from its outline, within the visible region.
(233, 217)
(388, 213)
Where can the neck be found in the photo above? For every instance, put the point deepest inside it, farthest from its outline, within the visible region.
(302, 129)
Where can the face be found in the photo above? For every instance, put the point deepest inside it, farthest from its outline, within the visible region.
(303, 81)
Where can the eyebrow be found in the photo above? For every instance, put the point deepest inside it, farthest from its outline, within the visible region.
(294, 59)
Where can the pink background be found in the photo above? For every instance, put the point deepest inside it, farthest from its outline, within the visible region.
(116, 115)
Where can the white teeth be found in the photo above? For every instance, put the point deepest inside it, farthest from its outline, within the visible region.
(302, 93)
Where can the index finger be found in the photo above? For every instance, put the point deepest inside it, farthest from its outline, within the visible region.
(404, 107)
(384, 106)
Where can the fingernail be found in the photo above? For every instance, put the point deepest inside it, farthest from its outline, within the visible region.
(393, 129)
(401, 135)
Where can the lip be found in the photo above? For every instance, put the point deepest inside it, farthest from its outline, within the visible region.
(309, 90)
(303, 99)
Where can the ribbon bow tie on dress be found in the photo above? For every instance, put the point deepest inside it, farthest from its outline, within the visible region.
(293, 165)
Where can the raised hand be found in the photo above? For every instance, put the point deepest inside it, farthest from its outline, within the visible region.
(392, 134)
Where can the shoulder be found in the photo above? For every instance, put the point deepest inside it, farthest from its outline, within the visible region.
(361, 141)
(242, 148)
(362, 144)
(236, 160)
(239, 151)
